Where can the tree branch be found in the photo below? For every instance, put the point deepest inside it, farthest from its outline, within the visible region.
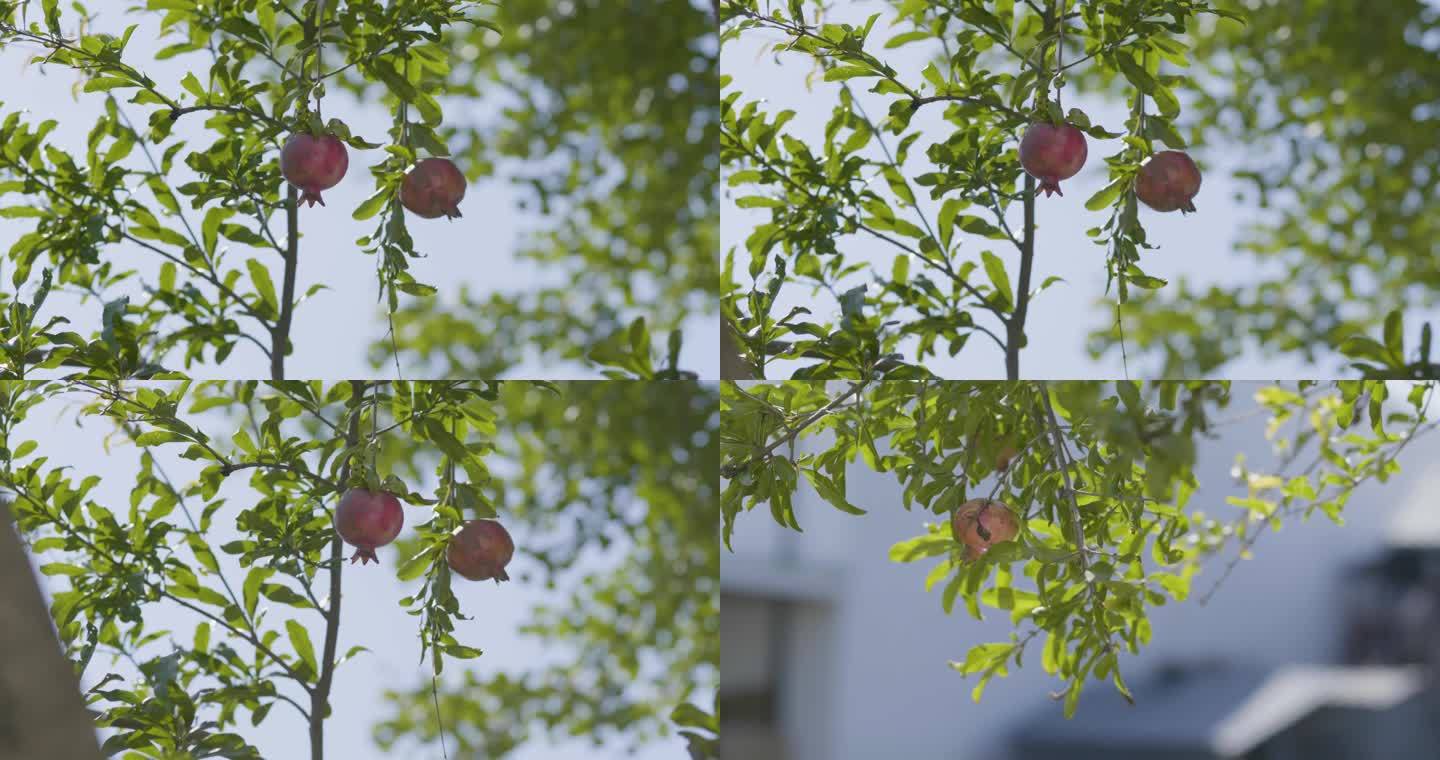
(176, 113)
(320, 697)
(916, 103)
(280, 335)
(227, 468)
(1061, 455)
(41, 711)
(735, 468)
(1015, 325)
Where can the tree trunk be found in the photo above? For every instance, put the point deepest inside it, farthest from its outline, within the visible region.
(42, 715)
(732, 365)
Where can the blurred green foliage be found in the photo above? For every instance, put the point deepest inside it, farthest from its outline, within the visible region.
(607, 114)
(1326, 113)
(616, 488)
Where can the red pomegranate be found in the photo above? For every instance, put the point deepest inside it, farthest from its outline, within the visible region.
(1168, 181)
(433, 189)
(480, 551)
(981, 523)
(366, 520)
(1005, 457)
(1052, 152)
(313, 164)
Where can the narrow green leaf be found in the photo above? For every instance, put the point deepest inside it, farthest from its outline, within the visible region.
(300, 640)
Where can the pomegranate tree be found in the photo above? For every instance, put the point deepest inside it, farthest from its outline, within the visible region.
(433, 189)
(313, 164)
(1051, 153)
(480, 551)
(981, 523)
(367, 520)
(1168, 181)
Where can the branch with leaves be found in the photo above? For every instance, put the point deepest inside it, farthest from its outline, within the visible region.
(231, 523)
(164, 244)
(115, 565)
(997, 70)
(1097, 479)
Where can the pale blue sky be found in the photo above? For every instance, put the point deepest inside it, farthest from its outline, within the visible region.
(332, 331)
(370, 612)
(1198, 246)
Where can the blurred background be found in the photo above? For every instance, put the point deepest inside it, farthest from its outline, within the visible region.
(1320, 647)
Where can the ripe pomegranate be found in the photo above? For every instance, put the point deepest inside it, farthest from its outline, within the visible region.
(1052, 152)
(480, 551)
(1168, 181)
(433, 189)
(980, 524)
(313, 164)
(366, 520)
(1005, 457)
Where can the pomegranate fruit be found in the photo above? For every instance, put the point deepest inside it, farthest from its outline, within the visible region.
(366, 520)
(1052, 152)
(981, 523)
(313, 164)
(480, 551)
(1168, 181)
(1005, 457)
(433, 189)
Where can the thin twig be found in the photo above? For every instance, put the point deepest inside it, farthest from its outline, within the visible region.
(228, 468)
(439, 722)
(1063, 463)
(735, 468)
(1249, 541)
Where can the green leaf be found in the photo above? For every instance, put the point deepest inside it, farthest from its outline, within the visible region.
(373, 205)
(948, 211)
(831, 491)
(192, 85)
(284, 595)
(841, 73)
(300, 640)
(1072, 698)
(1395, 336)
(157, 437)
(417, 565)
(462, 652)
(920, 547)
(907, 37)
(210, 228)
(260, 277)
(1108, 194)
(995, 269)
(251, 589)
(63, 568)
